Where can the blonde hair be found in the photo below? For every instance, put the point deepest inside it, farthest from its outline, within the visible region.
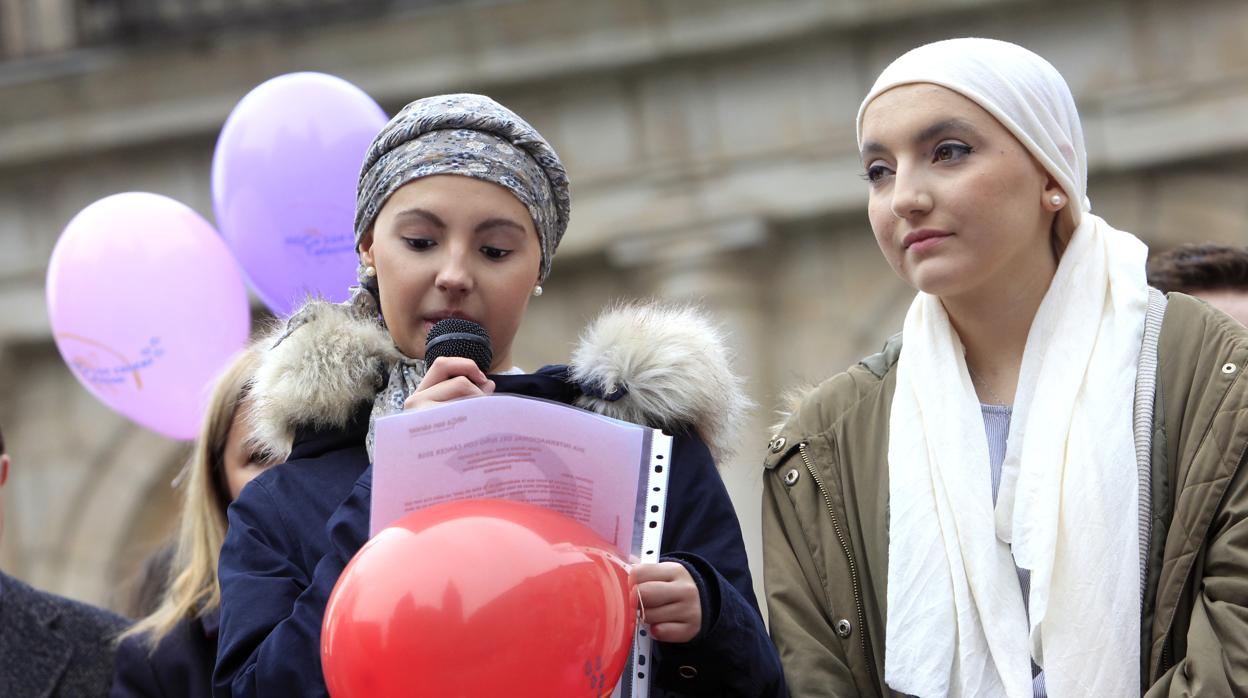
(191, 588)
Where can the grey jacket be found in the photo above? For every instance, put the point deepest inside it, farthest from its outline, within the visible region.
(53, 646)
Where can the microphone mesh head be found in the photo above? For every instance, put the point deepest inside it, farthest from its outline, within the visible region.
(458, 337)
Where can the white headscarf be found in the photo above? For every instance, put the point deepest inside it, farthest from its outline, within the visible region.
(1022, 90)
(1067, 507)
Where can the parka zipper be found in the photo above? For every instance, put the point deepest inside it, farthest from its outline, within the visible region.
(853, 569)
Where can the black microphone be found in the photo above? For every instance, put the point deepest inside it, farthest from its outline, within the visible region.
(457, 337)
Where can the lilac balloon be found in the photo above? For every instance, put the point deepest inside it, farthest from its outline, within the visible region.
(283, 185)
(147, 307)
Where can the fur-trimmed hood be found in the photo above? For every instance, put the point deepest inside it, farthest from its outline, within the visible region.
(652, 363)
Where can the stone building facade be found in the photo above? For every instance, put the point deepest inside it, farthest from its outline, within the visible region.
(711, 146)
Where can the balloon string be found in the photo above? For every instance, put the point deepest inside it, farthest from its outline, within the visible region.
(641, 604)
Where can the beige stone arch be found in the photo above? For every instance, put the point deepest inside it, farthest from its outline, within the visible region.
(121, 514)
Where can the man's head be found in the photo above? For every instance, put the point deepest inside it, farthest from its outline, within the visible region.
(1217, 274)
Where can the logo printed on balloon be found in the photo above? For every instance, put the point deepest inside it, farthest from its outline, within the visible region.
(314, 244)
(114, 370)
(597, 677)
(312, 240)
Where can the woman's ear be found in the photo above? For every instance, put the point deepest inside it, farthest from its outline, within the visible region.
(1053, 197)
(365, 248)
(1055, 200)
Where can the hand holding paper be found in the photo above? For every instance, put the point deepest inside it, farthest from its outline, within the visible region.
(670, 601)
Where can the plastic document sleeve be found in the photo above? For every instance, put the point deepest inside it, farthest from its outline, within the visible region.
(635, 681)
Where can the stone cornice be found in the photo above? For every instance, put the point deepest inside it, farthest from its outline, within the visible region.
(65, 105)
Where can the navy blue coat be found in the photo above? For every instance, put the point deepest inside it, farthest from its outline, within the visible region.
(181, 665)
(295, 527)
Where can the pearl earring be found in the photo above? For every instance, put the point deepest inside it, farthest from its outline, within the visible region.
(537, 290)
(1056, 200)
(370, 271)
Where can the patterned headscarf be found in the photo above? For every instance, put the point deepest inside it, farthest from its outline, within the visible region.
(473, 136)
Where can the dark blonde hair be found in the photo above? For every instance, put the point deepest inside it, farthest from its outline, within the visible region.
(192, 588)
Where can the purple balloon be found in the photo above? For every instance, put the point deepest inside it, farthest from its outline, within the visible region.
(283, 185)
(147, 306)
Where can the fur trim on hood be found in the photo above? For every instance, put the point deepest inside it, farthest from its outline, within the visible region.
(317, 376)
(671, 368)
(661, 365)
(791, 400)
(878, 363)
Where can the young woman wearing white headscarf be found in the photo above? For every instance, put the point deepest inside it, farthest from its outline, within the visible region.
(1039, 487)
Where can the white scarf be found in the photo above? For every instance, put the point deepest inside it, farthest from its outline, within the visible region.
(1067, 509)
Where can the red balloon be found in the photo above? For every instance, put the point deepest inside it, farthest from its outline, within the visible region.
(479, 597)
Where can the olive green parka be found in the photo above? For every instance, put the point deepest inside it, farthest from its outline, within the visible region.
(825, 521)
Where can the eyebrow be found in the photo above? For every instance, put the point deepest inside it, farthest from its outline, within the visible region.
(434, 219)
(927, 134)
(492, 223)
(429, 216)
